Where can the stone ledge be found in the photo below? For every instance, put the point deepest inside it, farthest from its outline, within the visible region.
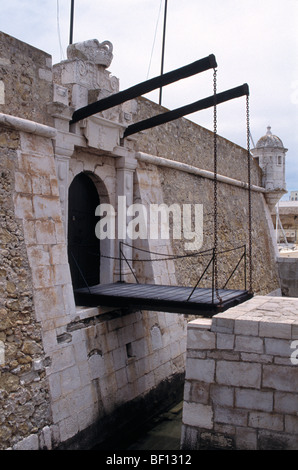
(262, 316)
(27, 126)
(82, 313)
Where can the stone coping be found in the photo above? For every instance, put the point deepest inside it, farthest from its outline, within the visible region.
(275, 317)
(83, 313)
(25, 125)
(287, 260)
(166, 162)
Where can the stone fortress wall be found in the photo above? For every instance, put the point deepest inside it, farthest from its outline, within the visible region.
(195, 148)
(68, 373)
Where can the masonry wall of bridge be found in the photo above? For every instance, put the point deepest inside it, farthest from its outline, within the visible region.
(69, 373)
(241, 378)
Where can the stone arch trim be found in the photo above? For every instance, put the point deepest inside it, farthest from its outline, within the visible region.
(103, 175)
(83, 245)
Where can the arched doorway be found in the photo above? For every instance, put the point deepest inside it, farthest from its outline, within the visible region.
(83, 245)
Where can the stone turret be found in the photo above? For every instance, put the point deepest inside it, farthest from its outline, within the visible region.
(270, 155)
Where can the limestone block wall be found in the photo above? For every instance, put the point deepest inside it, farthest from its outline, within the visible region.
(25, 79)
(186, 142)
(25, 400)
(108, 367)
(147, 191)
(67, 373)
(242, 377)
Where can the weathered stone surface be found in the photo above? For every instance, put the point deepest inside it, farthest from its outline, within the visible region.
(93, 51)
(253, 395)
(270, 421)
(254, 399)
(9, 382)
(277, 378)
(200, 369)
(197, 415)
(184, 141)
(29, 443)
(246, 439)
(26, 92)
(200, 339)
(238, 374)
(23, 397)
(67, 367)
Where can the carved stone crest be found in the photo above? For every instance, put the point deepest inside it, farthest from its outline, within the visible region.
(92, 51)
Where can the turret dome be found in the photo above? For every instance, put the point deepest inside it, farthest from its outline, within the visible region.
(269, 140)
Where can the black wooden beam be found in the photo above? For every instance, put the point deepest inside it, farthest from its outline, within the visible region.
(144, 87)
(188, 109)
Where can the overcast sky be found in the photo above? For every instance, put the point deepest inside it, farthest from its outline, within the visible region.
(254, 42)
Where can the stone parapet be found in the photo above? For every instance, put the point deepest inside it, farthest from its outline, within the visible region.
(242, 378)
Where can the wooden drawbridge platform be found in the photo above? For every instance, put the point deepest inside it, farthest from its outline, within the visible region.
(174, 299)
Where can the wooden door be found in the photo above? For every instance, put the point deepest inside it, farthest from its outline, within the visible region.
(83, 245)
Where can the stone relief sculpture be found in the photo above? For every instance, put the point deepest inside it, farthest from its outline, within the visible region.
(93, 51)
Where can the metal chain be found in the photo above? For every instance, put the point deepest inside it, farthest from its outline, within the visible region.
(169, 257)
(249, 193)
(215, 185)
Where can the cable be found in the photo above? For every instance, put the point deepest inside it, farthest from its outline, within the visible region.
(154, 38)
(252, 141)
(167, 257)
(58, 31)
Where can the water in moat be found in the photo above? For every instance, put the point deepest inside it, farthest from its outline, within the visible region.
(162, 432)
